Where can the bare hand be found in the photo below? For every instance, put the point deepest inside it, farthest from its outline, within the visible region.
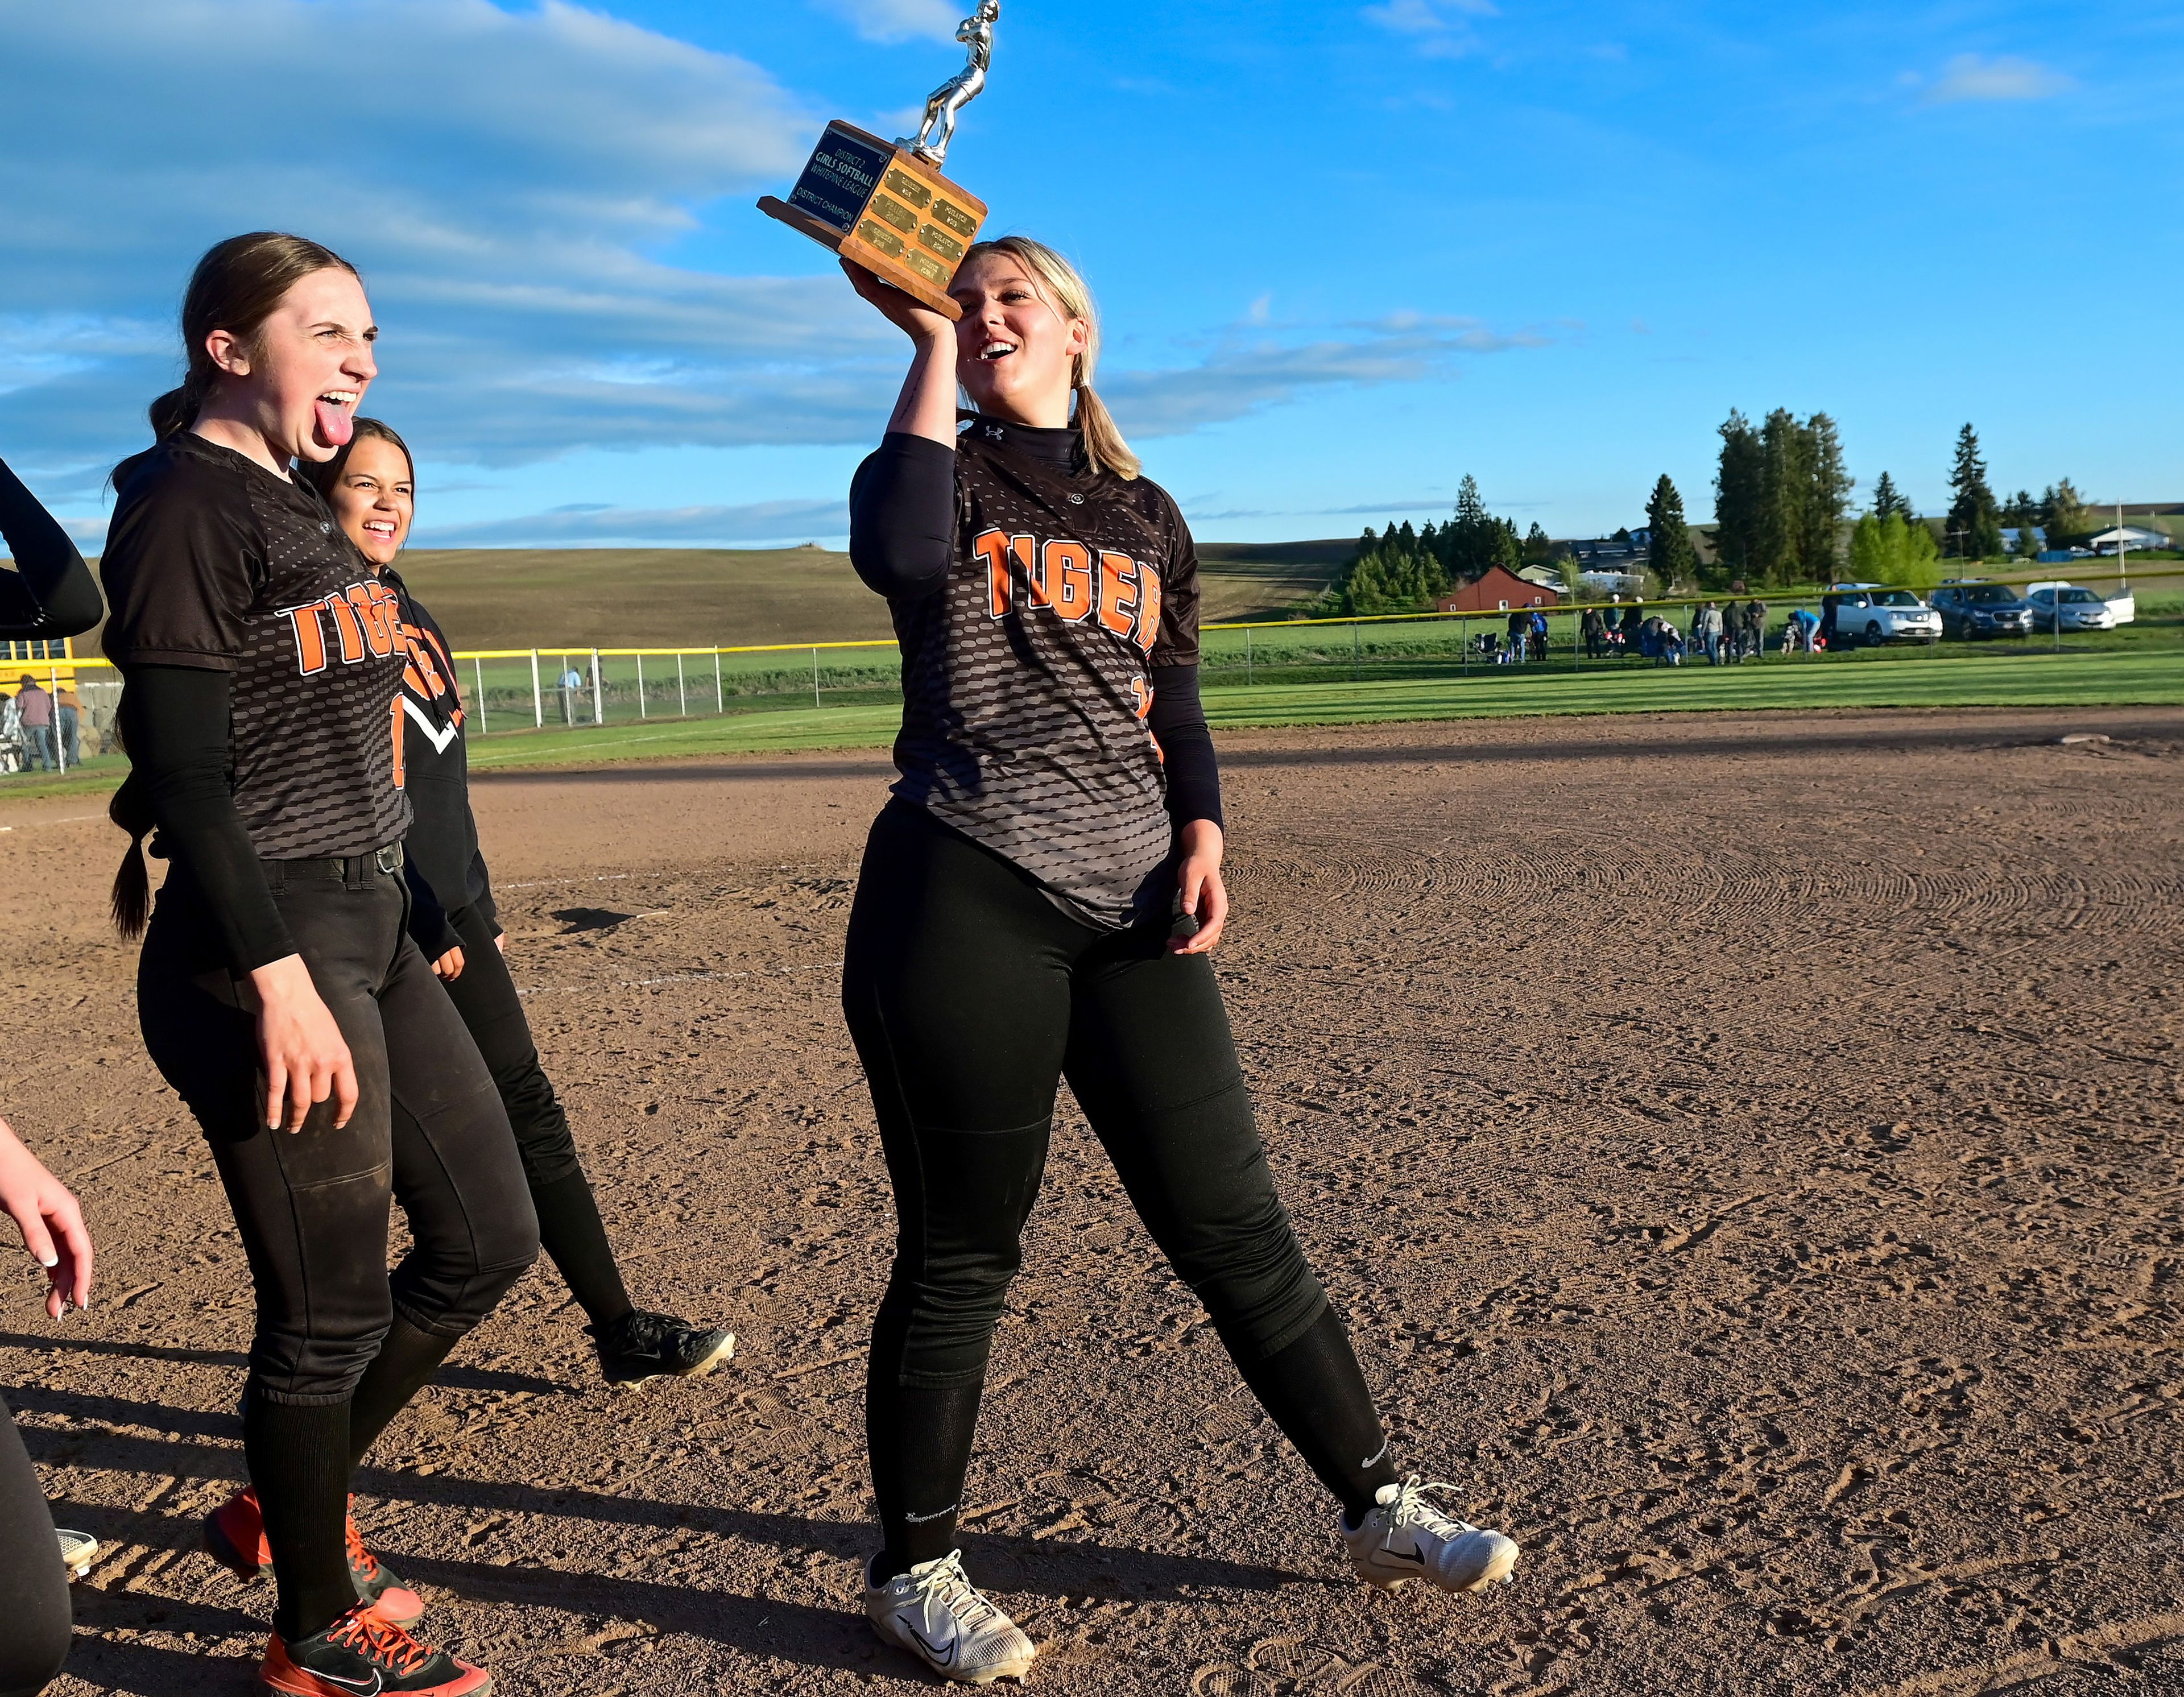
(907, 314)
(449, 966)
(51, 1222)
(500, 941)
(1204, 897)
(305, 1057)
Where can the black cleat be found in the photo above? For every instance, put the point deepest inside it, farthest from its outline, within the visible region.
(640, 1347)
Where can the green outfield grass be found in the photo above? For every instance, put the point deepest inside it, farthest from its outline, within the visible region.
(2017, 675)
(2015, 679)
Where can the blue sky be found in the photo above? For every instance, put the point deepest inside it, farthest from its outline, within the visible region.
(1346, 253)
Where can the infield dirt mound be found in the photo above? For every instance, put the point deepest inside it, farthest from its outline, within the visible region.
(1747, 1150)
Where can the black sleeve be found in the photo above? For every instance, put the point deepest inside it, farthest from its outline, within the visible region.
(433, 931)
(175, 722)
(902, 516)
(51, 593)
(181, 566)
(1177, 721)
(481, 892)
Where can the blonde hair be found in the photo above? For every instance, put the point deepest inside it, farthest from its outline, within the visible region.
(1066, 290)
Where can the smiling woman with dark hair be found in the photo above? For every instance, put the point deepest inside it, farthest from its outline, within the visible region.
(371, 485)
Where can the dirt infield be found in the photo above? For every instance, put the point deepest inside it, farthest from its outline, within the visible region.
(1747, 1150)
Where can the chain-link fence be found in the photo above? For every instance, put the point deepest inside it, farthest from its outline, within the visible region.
(2112, 612)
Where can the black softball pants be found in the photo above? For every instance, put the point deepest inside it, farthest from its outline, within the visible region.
(569, 1223)
(970, 994)
(34, 1593)
(313, 1206)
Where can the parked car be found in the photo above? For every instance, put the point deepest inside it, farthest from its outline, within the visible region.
(1874, 613)
(2067, 607)
(1972, 608)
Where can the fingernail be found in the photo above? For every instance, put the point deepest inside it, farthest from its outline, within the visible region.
(49, 1260)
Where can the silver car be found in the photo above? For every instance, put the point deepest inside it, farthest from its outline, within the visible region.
(2070, 607)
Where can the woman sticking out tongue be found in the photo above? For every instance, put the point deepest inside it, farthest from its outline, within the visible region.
(297, 379)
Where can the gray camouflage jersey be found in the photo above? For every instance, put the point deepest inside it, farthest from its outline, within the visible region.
(1025, 678)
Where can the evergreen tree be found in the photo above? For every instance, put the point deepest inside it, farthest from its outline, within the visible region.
(1886, 499)
(1674, 560)
(1476, 540)
(1539, 548)
(1785, 482)
(1737, 486)
(1974, 526)
(1827, 498)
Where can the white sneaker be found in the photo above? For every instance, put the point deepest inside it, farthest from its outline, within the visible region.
(1404, 1537)
(79, 1550)
(940, 1617)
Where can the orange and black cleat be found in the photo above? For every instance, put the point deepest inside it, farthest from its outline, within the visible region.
(235, 1537)
(363, 1652)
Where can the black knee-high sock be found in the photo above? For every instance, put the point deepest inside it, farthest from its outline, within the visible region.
(920, 1447)
(570, 1230)
(299, 1462)
(405, 1362)
(1316, 1395)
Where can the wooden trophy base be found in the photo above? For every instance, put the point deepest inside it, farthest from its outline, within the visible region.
(885, 208)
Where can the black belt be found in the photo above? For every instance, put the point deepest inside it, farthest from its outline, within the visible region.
(354, 869)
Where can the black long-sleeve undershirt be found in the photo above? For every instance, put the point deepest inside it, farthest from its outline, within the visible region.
(174, 721)
(51, 593)
(902, 542)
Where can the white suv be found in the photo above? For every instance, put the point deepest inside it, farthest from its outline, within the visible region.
(1875, 613)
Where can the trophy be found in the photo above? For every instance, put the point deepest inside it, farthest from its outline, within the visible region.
(886, 206)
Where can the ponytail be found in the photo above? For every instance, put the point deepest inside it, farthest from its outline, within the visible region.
(132, 880)
(1104, 447)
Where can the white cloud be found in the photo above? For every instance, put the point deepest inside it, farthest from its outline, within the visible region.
(1440, 29)
(1240, 376)
(1970, 77)
(510, 182)
(598, 526)
(901, 20)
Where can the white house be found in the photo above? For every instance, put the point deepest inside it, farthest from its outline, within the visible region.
(2130, 536)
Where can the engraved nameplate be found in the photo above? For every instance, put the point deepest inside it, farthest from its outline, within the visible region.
(835, 185)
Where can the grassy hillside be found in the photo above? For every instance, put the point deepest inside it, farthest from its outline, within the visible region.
(632, 597)
(642, 598)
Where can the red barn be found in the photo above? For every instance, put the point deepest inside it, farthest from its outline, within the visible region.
(1498, 591)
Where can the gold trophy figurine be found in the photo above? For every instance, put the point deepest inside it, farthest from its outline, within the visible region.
(886, 206)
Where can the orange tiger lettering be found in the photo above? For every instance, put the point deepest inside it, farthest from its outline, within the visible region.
(1118, 601)
(993, 547)
(1069, 580)
(310, 638)
(345, 625)
(1148, 605)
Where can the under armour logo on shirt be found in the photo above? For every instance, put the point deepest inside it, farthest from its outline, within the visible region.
(994, 432)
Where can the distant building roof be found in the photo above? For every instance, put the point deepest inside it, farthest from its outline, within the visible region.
(2133, 535)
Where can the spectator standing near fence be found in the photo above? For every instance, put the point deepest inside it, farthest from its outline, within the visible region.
(1710, 632)
(1755, 625)
(68, 716)
(1596, 632)
(36, 705)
